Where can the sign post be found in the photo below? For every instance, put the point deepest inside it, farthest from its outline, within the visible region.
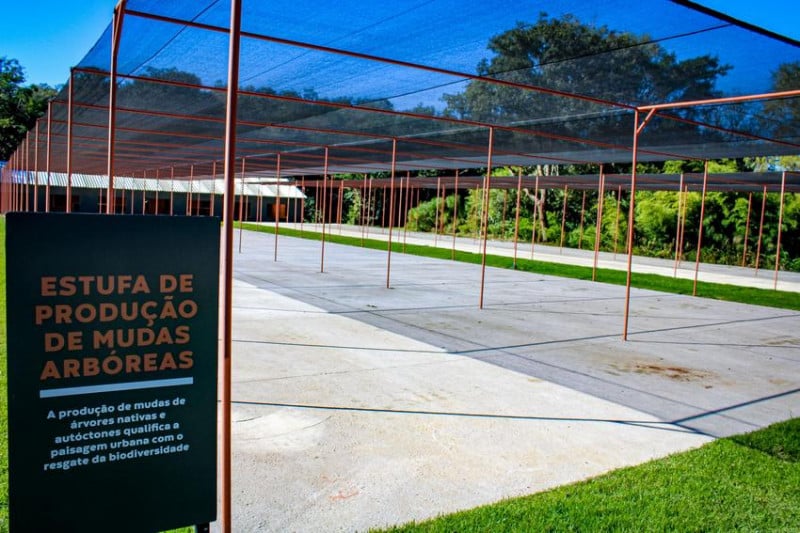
(112, 371)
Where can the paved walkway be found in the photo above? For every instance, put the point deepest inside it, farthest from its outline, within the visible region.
(733, 275)
(358, 406)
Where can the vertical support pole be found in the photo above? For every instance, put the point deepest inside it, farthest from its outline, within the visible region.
(700, 229)
(340, 205)
(231, 109)
(455, 217)
(171, 190)
(583, 216)
(503, 216)
(563, 218)
(324, 202)
(71, 91)
(213, 186)
(535, 216)
(370, 204)
(391, 212)
(678, 227)
(598, 230)
(197, 203)
(516, 216)
(36, 170)
(383, 208)
(616, 221)
(27, 171)
(144, 191)
(631, 213)
(487, 184)
(241, 205)
(189, 195)
(761, 228)
(362, 217)
(158, 187)
(302, 202)
(116, 33)
(436, 217)
(277, 203)
(406, 209)
(683, 222)
(780, 228)
(747, 228)
(48, 157)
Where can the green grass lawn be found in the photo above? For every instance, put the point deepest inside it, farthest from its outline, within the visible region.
(745, 483)
(718, 291)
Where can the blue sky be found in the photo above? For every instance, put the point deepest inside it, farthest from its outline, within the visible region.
(49, 36)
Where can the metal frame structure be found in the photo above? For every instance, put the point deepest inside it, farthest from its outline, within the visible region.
(194, 156)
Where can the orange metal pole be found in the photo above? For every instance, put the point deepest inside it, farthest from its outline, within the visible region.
(277, 203)
(391, 212)
(171, 191)
(189, 196)
(583, 215)
(456, 197)
(761, 229)
(302, 202)
(27, 171)
(516, 216)
(631, 214)
(747, 228)
(116, 34)
(227, 307)
(504, 215)
(780, 228)
(407, 207)
(370, 203)
(683, 222)
(436, 218)
(700, 229)
(678, 227)
(36, 170)
(616, 221)
(48, 157)
(324, 195)
(485, 222)
(535, 215)
(340, 205)
(213, 186)
(144, 191)
(241, 206)
(383, 208)
(563, 218)
(71, 90)
(598, 234)
(158, 186)
(362, 217)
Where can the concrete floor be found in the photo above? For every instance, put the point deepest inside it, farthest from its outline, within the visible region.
(358, 406)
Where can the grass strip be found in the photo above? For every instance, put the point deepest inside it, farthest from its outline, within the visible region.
(655, 282)
(730, 484)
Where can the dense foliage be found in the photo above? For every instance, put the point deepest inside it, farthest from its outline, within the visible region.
(20, 105)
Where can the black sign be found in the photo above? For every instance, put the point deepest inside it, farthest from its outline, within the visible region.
(112, 371)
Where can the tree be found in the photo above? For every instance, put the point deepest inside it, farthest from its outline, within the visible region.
(565, 54)
(782, 116)
(20, 106)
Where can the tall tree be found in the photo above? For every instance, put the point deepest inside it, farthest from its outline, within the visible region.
(20, 105)
(565, 54)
